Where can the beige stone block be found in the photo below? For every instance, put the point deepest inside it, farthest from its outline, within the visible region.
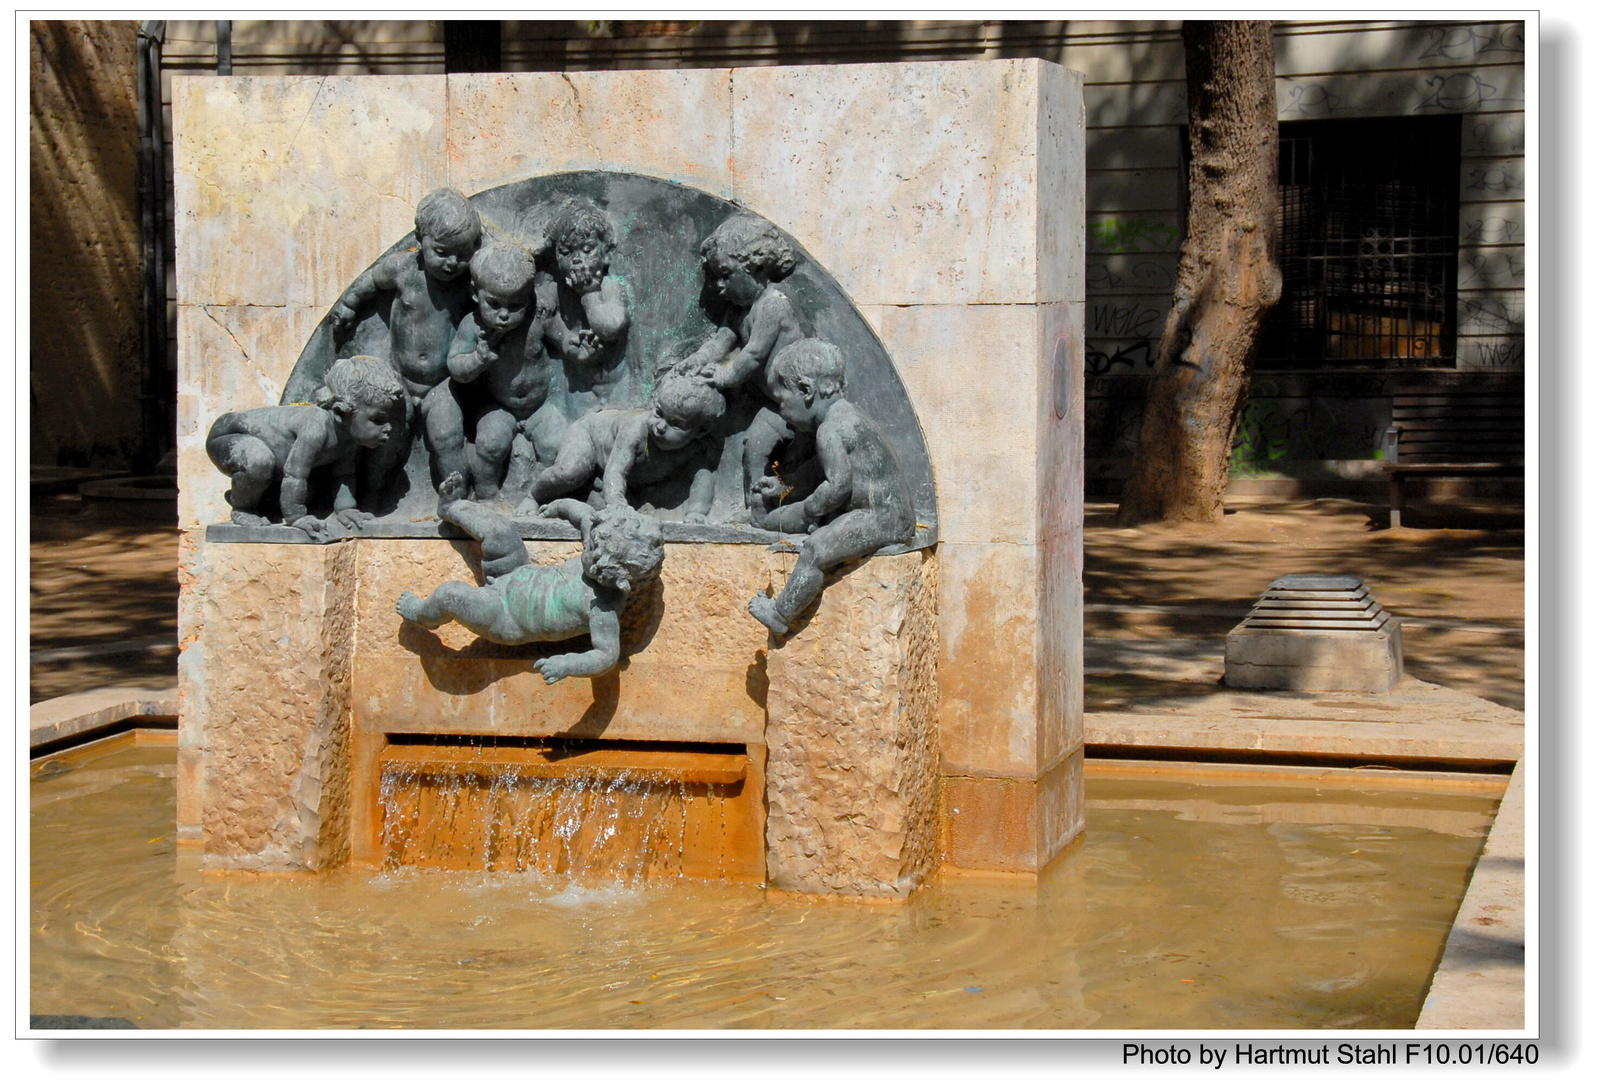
(693, 665)
(272, 701)
(287, 188)
(90, 711)
(1061, 807)
(990, 823)
(1060, 524)
(989, 709)
(190, 791)
(1062, 183)
(911, 183)
(974, 376)
(851, 737)
(676, 125)
(1012, 825)
(1292, 659)
(230, 358)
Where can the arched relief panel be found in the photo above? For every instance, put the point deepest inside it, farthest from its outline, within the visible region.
(659, 227)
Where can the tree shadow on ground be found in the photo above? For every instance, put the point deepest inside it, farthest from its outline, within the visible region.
(101, 574)
(1463, 561)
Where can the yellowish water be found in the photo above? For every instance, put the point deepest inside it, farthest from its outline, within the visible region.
(1204, 904)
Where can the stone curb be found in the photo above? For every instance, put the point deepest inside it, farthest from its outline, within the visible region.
(80, 714)
(1481, 981)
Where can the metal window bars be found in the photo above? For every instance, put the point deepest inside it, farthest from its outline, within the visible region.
(1368, 241)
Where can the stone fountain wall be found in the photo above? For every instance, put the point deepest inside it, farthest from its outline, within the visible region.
(947, 201)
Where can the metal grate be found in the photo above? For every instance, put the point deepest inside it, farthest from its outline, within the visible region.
(1369, 226)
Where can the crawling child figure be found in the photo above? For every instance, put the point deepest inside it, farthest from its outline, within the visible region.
(862, 502)
(360, 401)
(639, 446)
(522, 602)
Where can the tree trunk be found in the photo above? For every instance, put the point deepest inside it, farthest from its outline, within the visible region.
(1227, 278)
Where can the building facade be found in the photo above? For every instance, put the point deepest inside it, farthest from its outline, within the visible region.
(1402, 171)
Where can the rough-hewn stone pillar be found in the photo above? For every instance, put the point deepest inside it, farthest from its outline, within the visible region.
(852, 748)
(264, 679)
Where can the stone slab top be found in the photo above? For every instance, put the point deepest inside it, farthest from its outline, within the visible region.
(1481, 981)
(1416, 721)
(674, 532)
(1317, 583)
(78, 714)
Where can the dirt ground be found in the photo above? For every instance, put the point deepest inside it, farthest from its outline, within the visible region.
(103, 574)
(1460, 563)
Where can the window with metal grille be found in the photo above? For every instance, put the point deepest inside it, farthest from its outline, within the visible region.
(1369, 234)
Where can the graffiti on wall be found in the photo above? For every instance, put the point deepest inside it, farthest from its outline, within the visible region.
(1493, 269)
(1127, 319)
(1491, 230)
(1489, 316)
(1273, 431)
(1502, 178)
(1463, 91)
(1494, 354)
(1129, 357)
(1142, 275)
(1498, 135)
(1124, 334)
(1471, 42)
(1311, 99)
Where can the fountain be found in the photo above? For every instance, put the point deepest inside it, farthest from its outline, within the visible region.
(818, 328)
(1335, 893)
(628, 810)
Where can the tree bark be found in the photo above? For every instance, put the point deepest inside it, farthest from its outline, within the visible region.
(1227, 278)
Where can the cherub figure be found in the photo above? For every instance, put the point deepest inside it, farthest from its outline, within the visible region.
(744, 258)
(862, 502)
(521, 602)
(429, 294)
(589, 329)
(498, 351)
(358, 404)
(640, 446)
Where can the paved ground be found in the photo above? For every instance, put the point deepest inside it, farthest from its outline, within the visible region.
(1454, 576)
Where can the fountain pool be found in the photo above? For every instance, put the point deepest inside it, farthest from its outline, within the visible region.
(1202, 897)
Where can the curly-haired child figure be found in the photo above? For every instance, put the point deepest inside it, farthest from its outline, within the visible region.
(641, 447)
(861, 503)
(744, 258)
(589, 328)
(359, 402)
(522, 602)
(429, 293)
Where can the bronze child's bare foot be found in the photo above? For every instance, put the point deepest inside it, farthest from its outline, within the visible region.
(764, 608)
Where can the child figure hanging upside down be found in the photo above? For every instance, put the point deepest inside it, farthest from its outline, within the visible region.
(522, 602)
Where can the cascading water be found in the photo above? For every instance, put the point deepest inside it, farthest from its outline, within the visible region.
(504, 811)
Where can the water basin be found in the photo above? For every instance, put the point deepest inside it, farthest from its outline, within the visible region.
(1220, 898)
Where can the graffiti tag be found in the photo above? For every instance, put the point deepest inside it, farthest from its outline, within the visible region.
(1470, 42)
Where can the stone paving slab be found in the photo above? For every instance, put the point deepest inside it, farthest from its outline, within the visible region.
(1481, 982)
(79, 714)
(1183, 706)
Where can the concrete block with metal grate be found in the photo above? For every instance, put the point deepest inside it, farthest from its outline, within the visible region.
(1316, 632)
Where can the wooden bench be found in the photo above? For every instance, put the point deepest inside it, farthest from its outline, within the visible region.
(1452, 432)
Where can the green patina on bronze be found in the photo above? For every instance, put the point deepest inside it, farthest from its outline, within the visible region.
(659, 227)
